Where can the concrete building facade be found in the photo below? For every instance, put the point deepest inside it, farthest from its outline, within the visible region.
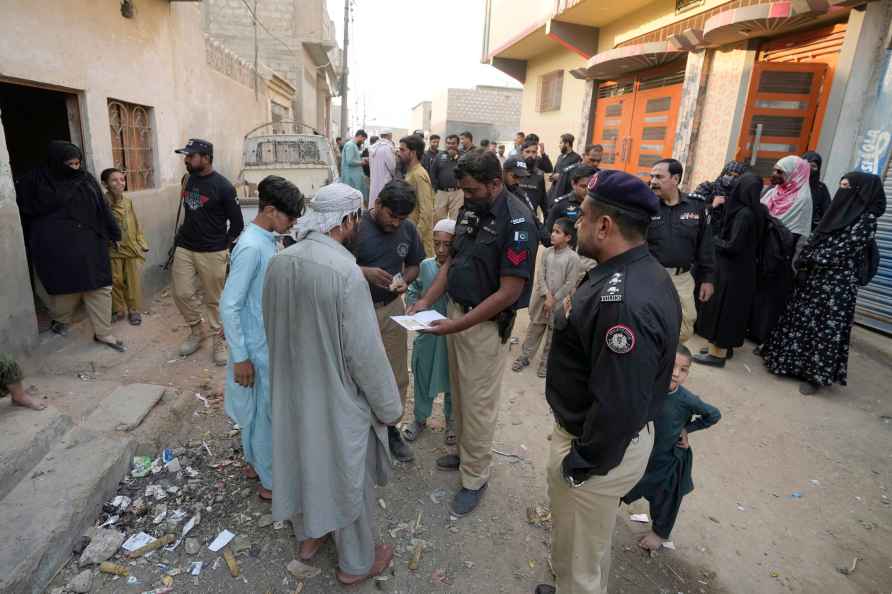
(153, 80)
(707, 81)
(293, 37)
(420, 118)
(485, 111)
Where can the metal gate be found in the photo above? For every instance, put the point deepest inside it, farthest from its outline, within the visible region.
(635, 119)
(874, 307)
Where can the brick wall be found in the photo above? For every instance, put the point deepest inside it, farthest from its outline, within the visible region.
(488, 105)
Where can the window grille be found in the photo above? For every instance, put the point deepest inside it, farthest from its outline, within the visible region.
(550, 88)
(131, 138)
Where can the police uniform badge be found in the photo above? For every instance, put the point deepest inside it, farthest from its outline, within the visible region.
(614, 291)
(620, 339)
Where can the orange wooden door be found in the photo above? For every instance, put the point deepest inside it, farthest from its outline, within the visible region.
(780, 113)
(653, 124)
(613, 118)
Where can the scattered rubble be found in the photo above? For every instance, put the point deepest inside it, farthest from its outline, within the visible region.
(104, 544)
(81, 583)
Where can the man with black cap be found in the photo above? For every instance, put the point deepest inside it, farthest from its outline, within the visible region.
(488, 277)
(569, 205)
(514, 171)
(611, 362)
(202, 246)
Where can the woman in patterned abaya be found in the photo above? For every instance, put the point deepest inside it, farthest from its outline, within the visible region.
(811, 339)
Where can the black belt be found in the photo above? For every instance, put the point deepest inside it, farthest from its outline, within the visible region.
(680, 270)
(379, 304)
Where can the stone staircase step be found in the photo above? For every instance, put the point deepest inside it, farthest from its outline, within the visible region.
(27, 436)
(46, 513)
(125, 408)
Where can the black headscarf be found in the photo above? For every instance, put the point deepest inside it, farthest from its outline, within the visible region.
(57, 188)
(864, 195)
(746, 194)
(820, 195)
(723, 184)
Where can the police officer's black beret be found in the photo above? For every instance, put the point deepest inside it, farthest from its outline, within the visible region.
(624, 191)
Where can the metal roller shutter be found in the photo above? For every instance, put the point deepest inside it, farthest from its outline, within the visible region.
(874, 307)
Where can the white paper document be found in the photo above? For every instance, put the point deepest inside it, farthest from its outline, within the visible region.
(419, 321)
(221, 541)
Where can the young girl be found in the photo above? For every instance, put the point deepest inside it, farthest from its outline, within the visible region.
(128, 255)
(668, 475)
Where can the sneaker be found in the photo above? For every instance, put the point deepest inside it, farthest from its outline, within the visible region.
(467, 500)
(449, 462)
(520, 363)
(193, 341)
(221, 356)
(59, 328)
(398, 448)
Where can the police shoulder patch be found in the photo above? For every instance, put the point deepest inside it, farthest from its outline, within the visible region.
(620, 339)
(518, 220)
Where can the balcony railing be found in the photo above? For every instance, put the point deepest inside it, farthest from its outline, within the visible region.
(683, 5)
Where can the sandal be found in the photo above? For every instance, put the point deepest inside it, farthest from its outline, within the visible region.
(111, 342)
(135, 318)
(450, 438)
(540, 373)
(413, 430)
(520, 363)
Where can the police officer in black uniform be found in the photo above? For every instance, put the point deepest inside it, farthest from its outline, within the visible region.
(534, 184)
(514, 170)
(447, 197)
(680, 238)
(611, 362)
(488, 277)
(569, 205)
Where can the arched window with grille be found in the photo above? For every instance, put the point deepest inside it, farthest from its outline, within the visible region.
(131, 138)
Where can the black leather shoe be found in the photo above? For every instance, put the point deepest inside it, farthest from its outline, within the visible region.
(709, 360)
(467, 500)
(449, 462)
(544, 589)
(59, 328)
(398, 448)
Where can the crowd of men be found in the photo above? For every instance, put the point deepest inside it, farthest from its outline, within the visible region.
(628, 273)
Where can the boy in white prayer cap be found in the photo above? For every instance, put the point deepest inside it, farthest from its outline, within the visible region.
(430, 363)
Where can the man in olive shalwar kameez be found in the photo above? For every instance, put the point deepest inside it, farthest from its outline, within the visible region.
(331, 400)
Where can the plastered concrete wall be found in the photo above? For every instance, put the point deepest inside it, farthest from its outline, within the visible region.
(653, 16)
(18, 324)
(508, 18)
(716, 119)
(159, 59)
(550, 125)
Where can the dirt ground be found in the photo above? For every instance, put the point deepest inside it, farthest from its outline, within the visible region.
(789, 489)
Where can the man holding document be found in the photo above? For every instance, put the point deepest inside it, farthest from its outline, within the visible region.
(487, 279)
(389, 252)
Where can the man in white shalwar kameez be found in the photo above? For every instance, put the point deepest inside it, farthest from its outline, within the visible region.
(382, 165)
(332, 394)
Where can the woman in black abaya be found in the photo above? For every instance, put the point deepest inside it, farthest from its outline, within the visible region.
(737, 234)
(68, 226)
